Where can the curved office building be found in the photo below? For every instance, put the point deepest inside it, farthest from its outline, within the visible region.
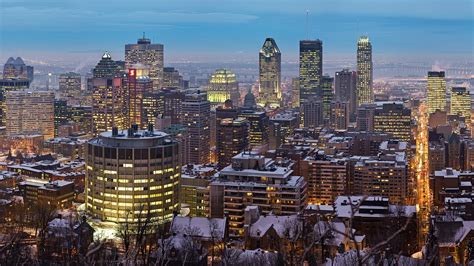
(132, 174)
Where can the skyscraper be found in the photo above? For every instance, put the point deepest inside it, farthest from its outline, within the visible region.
(70, 87)
(148, 54)
(436, 91)
(270, 74)
(17, 69)
(232, 139)
(461, 103)
(311, 69)
(139, 84)
(196, 115)
(223, 86)
(7, 85)
(365, 93)
(108, 96)
(258, 131)
(313, 110)
(172, 78)
(345, 89)
(30, 112)
(339, 116)
(393, 118)
(327, 90)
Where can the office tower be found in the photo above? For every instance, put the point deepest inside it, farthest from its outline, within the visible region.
(393, 118)
(149, 55)
(223, 86)
(30, 113)
(228, 110)
(345, 89)
(70, 87)
(138, 84)
(461, 103)
(131, 176)
(82, 117)
(258, 132)
(249, 101)
(339, 116)
(17, 69)
(436, 91)
(365, 93)
(232, 139)
(106, 68)
(282, 125)
(327, 91)
(61, 115)
(436, 157)
(108, 96)
(196, 112)
(172, 78)
(313, 110)
(254, 180)
(7, 85)
(365, 117)
(170, 104)
(327, 178)
(295, 92)
(384, 175)
(270, 75)
(311, 69)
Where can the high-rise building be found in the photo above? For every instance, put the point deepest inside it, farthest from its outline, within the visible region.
(313, 110)
(223, 86)
(17, 69)
(270, 74)
(327, 90)
(327, 178)
(365, 117)
(82, 116)
(139, 84)
(254, 180)
(30, 113)
(295, 92)
(61, 114)
(7, 85)
(461, 103)
(339, 116)
(132, 176)
(172, 79)
(70, 87)
(258, 131)
(249, 101)
(149, 55)
(232, 139)
(281, 126)
(196, 115)
(365, 92)
(108, 96)
(436, 91)
(311, 69)
(345, 89)
(393, 118)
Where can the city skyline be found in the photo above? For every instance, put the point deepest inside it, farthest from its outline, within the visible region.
(70, 30)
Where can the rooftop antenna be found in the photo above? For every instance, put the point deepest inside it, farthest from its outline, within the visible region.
(307, 26)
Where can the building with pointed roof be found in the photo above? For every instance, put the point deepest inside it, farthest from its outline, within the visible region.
(270, 94)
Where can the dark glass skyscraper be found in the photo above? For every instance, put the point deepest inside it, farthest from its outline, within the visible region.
(311, 69)
(345, 89)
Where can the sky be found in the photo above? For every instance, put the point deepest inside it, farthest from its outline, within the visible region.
(213, 30)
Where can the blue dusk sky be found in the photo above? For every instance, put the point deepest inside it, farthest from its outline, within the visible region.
(213, 30)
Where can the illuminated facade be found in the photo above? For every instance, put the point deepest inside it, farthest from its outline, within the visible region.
(108, 104)
(313, 110)
(148, 54)
(7, 85)
(327, 90)
(311, 69)
(393, 118)
(461, 103)
(130, 175)
(365, 93)
(30, 113)
(258, 131)
(339, 115)
(254, 180)
(172, 79)
(223, 86)
(436, 91)
(70, 87)
(232, 139)
(196, 115)
(17, 69)
(270, 74)
(139, 84)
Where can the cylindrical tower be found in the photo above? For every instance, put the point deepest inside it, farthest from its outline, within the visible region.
(132, 174)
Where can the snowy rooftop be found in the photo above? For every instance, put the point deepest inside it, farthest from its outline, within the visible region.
(283, 225)
(200, 226)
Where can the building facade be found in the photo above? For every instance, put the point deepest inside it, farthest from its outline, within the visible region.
(365, 93)
(270, 74)
(436, 91)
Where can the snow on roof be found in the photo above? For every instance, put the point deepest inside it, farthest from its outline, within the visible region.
(59, 223)
(457, 200)
(200, 226)
(256, 257)
(451, 233)
(283, 225)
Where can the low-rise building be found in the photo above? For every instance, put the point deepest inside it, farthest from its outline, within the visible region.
(58, 194)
